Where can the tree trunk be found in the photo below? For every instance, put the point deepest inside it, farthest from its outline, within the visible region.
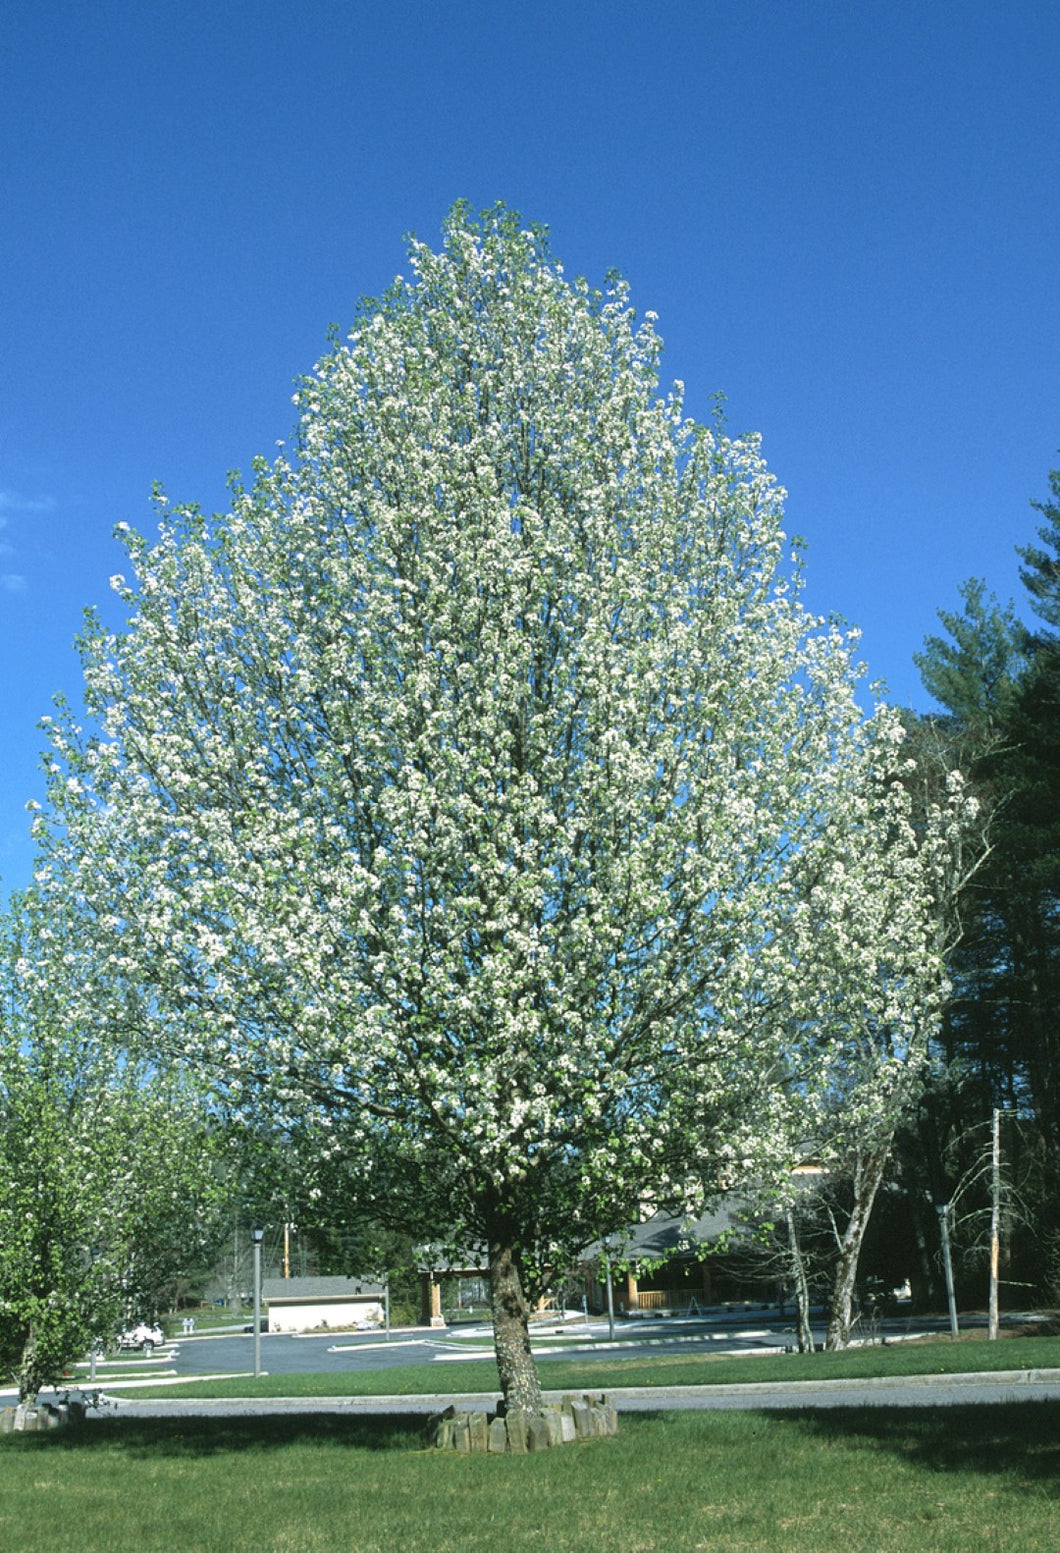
(30, 1378)
(802, 1289)
(511, 1333)
(867, 1177)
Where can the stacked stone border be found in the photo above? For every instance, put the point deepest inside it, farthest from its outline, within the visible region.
(34, 1418)
(591, 1416)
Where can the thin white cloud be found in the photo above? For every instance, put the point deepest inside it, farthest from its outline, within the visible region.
(14, 501)
(15, 508)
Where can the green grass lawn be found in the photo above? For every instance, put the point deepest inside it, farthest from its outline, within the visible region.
(941, 1357)
(208, 1318)
(944, 1480)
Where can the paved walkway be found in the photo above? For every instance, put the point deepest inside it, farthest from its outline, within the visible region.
(989, 1386)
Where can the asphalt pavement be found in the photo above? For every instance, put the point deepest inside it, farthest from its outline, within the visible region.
(738, 1332)
(231, 1353)
(908, 1391)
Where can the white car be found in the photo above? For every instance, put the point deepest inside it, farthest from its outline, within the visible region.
(142, 1336)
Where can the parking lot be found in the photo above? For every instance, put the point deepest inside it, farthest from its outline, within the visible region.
(231, 1352)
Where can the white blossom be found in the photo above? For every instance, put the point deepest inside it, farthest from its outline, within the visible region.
(480, 782)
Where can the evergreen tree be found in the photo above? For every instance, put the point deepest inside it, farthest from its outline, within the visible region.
(1000, 685)
(1040, 573)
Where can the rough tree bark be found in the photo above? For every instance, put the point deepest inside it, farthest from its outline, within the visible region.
(802, 1288)
(868, 1173)
(511, 1332)
(30, 1375)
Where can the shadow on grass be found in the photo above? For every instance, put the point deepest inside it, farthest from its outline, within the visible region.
(1018, 1439)
(143, 1438)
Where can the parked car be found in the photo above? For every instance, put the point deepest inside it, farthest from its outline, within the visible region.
(143, 1336)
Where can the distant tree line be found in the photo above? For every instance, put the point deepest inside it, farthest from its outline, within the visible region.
(996, 682)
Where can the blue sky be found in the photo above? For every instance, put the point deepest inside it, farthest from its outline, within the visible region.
(845, 215)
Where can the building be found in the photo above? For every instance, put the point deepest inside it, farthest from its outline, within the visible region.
(322, 1304)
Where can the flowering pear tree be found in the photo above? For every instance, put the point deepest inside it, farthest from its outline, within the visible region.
(869, 1059)
(474, 792)
(106, 1185)
(880, 1074)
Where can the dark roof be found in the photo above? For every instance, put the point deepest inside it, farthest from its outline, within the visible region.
(277, 1289)
(666, 1235)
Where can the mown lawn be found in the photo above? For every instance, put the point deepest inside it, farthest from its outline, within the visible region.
(941, 1480)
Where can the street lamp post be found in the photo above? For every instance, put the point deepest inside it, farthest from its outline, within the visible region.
(257, 1236)
(610, 1295)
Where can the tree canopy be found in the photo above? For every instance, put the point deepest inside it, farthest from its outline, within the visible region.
(107, 1169)
(479, 793)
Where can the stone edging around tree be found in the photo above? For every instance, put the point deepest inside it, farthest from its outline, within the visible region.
(586, 1417)
(34, 1417)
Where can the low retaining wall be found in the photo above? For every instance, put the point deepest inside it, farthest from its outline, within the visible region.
(585, 1417)
(31, 1419)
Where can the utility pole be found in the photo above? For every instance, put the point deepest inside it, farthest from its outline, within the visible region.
(943, 1211)
(995, 1222)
